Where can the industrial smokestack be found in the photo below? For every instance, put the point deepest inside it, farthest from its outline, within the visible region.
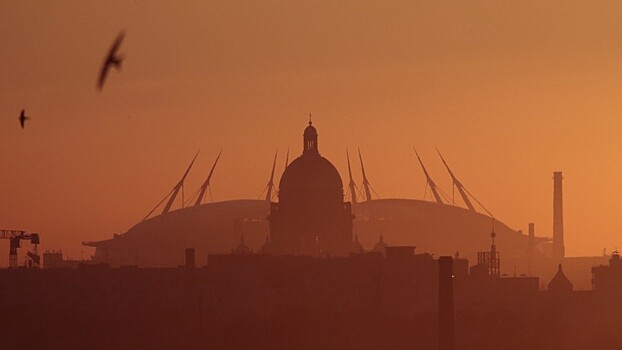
(446, 338)
(559, 251)
(531, 248)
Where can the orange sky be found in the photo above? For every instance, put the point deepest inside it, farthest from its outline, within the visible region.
(509, 92)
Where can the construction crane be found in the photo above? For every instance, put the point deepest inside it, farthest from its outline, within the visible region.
(15, 237)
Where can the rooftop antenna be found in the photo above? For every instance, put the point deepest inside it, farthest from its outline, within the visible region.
(493, 247)
(495, 265)
(206, 184)
(490, 259)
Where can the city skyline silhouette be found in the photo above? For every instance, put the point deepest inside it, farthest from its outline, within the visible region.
(504, 115)
(310, 175)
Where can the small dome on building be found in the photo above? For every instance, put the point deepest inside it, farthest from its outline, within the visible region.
(310, 140)
(560, 283)
(380, 246)
(310, 130)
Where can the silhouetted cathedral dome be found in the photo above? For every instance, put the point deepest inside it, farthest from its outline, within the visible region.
(310, 174)
(310, 217)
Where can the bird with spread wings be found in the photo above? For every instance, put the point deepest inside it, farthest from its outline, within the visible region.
(113, 59)
(22, 118)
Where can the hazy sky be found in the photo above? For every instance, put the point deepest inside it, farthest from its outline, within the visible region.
(509, 91)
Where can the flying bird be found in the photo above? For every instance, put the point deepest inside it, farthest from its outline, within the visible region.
(113, 59)
(23, 118)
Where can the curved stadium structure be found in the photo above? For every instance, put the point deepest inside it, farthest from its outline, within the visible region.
(311, 218)
(217, 228)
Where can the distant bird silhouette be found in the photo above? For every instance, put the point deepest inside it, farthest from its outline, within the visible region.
(112, 60)
(23, 118)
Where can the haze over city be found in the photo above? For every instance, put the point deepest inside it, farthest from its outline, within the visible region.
(509, 92)
(310, 175)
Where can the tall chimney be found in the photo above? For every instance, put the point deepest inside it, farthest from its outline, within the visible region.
(531, 248)
(559, 251)
(446, 340)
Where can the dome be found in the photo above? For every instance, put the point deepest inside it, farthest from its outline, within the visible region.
(380, 246)
(560, 283)
(310, 217)
(310, 176)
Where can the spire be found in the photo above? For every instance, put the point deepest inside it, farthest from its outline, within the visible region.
(207, 181)
(270, 185)
(366, 185)
(287, 159)
(352, 184)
